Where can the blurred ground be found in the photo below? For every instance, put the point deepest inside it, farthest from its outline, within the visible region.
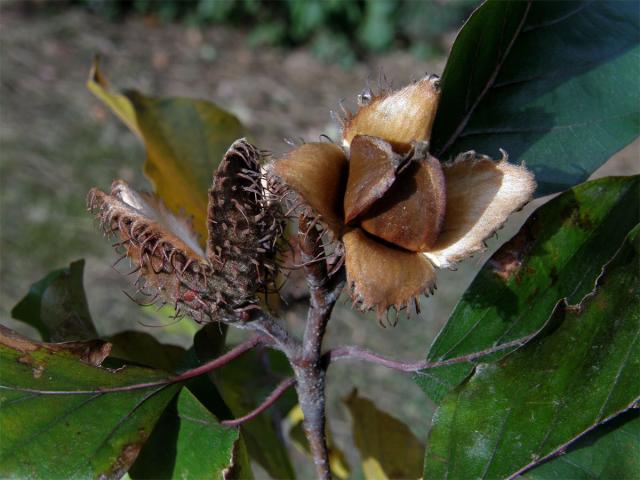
(57, 141)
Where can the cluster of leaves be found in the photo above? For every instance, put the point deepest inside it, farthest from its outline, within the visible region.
(337, 30)
(537, 364)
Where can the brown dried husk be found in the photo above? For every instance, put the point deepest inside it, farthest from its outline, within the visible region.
(240, 262)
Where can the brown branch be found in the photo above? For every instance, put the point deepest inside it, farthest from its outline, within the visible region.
(323, 290)
(271, 328)
(310, 374)
(186, 375)
(355, 352)
(270, 400)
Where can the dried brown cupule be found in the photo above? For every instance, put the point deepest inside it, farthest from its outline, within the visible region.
(221, 284)
(245, 226)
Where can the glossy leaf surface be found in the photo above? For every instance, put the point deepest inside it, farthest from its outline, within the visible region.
(559, 253)
(552, 83)
(185, 140)
(82, 435)
(510, 416)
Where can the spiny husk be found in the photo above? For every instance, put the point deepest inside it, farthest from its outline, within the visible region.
(381, 277)
(221, 284)
(399, 117)
(310, 181)
(481, 195)
(169, 270)
(245, 225)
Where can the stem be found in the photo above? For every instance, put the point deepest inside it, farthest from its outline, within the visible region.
(277, 334)
(355, 352)
(270, 400)
(310, 385)
(308, 368)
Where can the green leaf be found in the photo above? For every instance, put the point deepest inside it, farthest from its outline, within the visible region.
(558, 254)
(71, 435)
(208, 343)
(244, 384)
(388, 448)
(553, 83)
(610, 451)
(188, 442)
(238, 388)
(185, 140)
(57, 307)
(510, 416)
(143, 349)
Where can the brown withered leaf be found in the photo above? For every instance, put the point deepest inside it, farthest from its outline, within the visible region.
(92, 352)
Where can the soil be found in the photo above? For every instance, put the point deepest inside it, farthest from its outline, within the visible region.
(58, 141)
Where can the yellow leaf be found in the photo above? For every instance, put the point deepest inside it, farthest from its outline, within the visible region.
(118, 103)
(388, 448)
(373, 470)
(185, 140)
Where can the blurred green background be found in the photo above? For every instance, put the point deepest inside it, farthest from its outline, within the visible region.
(279, 66)
(335, 30)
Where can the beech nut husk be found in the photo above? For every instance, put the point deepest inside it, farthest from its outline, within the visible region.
(397, 211)
(220, 282)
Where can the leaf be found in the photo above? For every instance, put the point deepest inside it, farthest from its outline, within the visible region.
(510, 416)
(57, 307)
(553, 83)
(610, 451)
(244, 384)
(558, 254)
(208, 343)
(338, 464)
(143, 349)
(240, 387)
(71, 435)
(117, 102)
(185, 140)
(188, 442)
(388, 448)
